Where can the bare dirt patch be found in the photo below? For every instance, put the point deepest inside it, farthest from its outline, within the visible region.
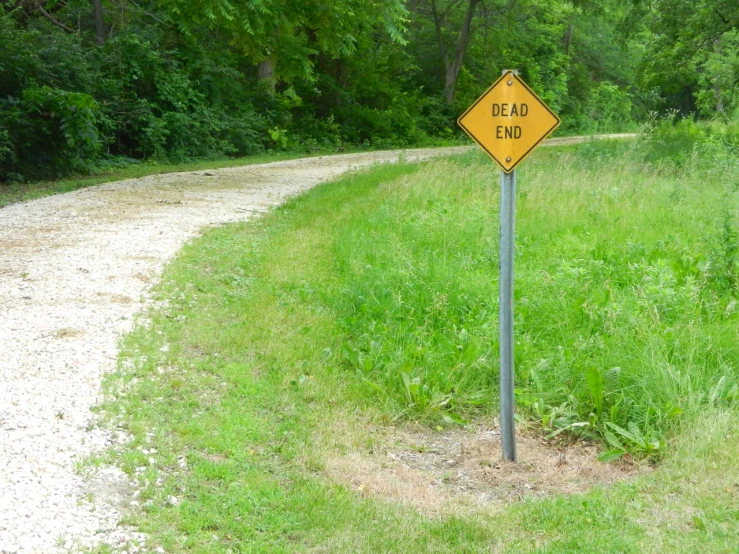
(37, 236)
(68, 332)
(115, 298)
(143, 277)
(455, 469)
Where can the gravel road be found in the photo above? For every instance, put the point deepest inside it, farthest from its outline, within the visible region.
(74, 270)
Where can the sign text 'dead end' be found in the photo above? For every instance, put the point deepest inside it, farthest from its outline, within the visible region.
(508, 121)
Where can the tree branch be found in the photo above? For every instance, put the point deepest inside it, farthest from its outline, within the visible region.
(150, 14)
(58, 6)
(439, 36)
(721, 17)
(466, 32)
(54, 21)
(449, 8)
(142, 10)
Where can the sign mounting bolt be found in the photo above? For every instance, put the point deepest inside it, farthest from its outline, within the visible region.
(510, 83)
(508, 159)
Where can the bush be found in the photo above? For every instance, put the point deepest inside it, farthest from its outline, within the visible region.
(159, 111)
(686, 143)
(49, 132)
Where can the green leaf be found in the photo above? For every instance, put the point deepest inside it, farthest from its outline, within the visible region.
(595, 383)
(613, 440)
(449, 417)
(634, 428)
(570, 427)
(611, 455)
(699, 524)
(624, 433)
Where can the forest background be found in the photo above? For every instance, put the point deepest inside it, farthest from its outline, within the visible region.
(90, 84)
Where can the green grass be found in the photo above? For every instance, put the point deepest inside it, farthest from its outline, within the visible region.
(374, 299)
(626, 303)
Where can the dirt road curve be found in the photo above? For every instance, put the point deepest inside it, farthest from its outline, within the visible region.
(74, 270)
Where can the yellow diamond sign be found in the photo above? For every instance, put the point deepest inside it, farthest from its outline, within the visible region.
(508, 121)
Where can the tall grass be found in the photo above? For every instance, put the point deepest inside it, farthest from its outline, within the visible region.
(627, 283)
(274, 341)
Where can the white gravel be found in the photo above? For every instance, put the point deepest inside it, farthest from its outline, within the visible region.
(74, 270)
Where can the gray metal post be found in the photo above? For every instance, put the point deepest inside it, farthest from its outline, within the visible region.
(505, 308)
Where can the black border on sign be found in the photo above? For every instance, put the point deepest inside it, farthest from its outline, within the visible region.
(484, 94)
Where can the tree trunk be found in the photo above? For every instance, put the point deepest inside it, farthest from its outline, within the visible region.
(719, 97)
(97, 12)
(452, 67)
(567, 40)
(717, 93)
(450, 83)
(266, 73)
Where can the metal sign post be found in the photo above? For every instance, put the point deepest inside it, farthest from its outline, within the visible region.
(505, 312)
(508, 122)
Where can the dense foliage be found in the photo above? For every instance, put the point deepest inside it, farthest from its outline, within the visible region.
(83, 82)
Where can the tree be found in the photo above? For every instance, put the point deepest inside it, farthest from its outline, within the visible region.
(97, 13)
(284, 36)
(692, 51)
(452, 57)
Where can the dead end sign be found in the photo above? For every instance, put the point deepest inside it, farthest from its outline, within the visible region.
(508, 121)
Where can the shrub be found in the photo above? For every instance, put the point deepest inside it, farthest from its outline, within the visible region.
(49, 132)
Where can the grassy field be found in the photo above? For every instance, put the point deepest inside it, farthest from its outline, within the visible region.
(372, 301)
